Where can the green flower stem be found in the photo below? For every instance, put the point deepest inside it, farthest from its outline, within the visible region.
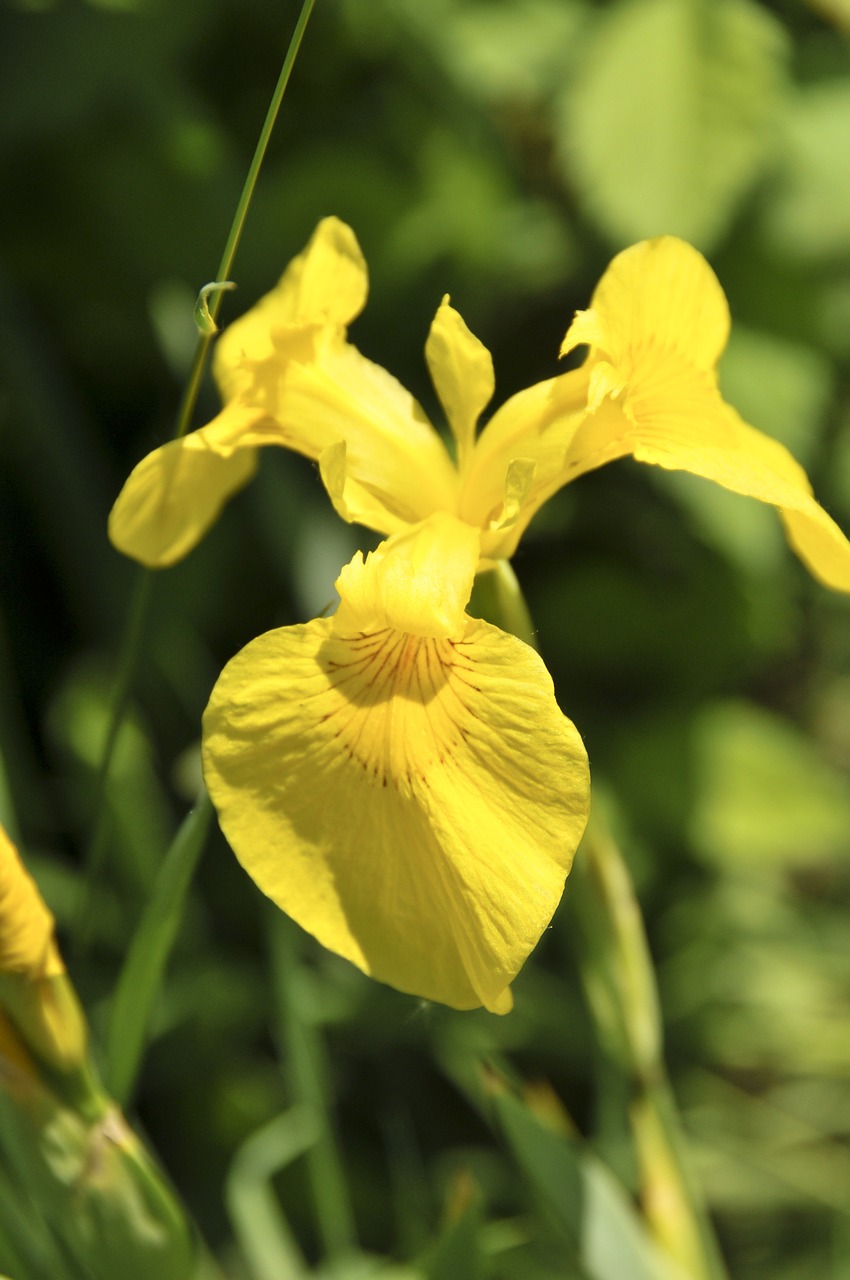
(497, 597)
(304, 1053)
(131, 647)
(142, 590)
(619, 980)
(187, 406)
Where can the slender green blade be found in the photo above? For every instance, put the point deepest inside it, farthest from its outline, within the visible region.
(145, 965)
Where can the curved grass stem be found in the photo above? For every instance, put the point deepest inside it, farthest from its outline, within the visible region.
(139, 609)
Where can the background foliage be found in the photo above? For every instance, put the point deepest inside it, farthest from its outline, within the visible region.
(501, 151)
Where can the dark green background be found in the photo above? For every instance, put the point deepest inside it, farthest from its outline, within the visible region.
(500, 151)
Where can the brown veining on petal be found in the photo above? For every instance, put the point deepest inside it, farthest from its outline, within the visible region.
(396, 704)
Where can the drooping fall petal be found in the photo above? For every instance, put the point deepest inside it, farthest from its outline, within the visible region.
(412, 797)
(173, 496)
(657, 324)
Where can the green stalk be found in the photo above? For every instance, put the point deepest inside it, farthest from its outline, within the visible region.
(619, 980)
(212, 308)
(304, 1053)
(149, 952)
(139, 610)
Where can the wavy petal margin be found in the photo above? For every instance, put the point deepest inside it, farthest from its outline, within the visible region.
(326, 284)
(412, 800)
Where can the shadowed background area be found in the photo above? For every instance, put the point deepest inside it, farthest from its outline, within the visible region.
(500, 151)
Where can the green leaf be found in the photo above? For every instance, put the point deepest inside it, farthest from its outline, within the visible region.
(587, 1202)
(674, 116)
(457, 1250)
(149, 951)
(765, 795)
(807, 219)
(259, 1221)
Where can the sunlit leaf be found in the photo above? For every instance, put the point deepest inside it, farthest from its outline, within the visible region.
(672, 119)
(807, 218)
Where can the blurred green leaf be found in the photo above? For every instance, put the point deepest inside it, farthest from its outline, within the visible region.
(260, 1224)
(784, 388)
(457, 1249)
(515, 52)
(764, 794)
(148, 954)
(807, 218)
(593, 1211)
(672, 117)
(78, 718)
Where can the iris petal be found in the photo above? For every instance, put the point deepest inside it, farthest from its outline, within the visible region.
(462, 372)
(172, 497)
(326, 284)
(657, 324)
(399, 778)
(27, 943)
(412, 802)
(397, 469)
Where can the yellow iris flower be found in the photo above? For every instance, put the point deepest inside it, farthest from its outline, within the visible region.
(399, 778)
(657, 324)
(38, 1007)
(27, 943)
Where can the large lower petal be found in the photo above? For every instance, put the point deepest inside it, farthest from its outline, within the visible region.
(413, 802)
(174, 495)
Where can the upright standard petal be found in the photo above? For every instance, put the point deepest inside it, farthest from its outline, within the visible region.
(412, 798)
(174, 494)
(326, 284)
(657, 324)
(462, 372)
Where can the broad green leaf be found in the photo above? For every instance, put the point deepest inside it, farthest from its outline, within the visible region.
(807, 218)
(590, 1206)
(261, 1227)
(140, 979)
(764, 795)
(673, 117)
(457, 1250)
